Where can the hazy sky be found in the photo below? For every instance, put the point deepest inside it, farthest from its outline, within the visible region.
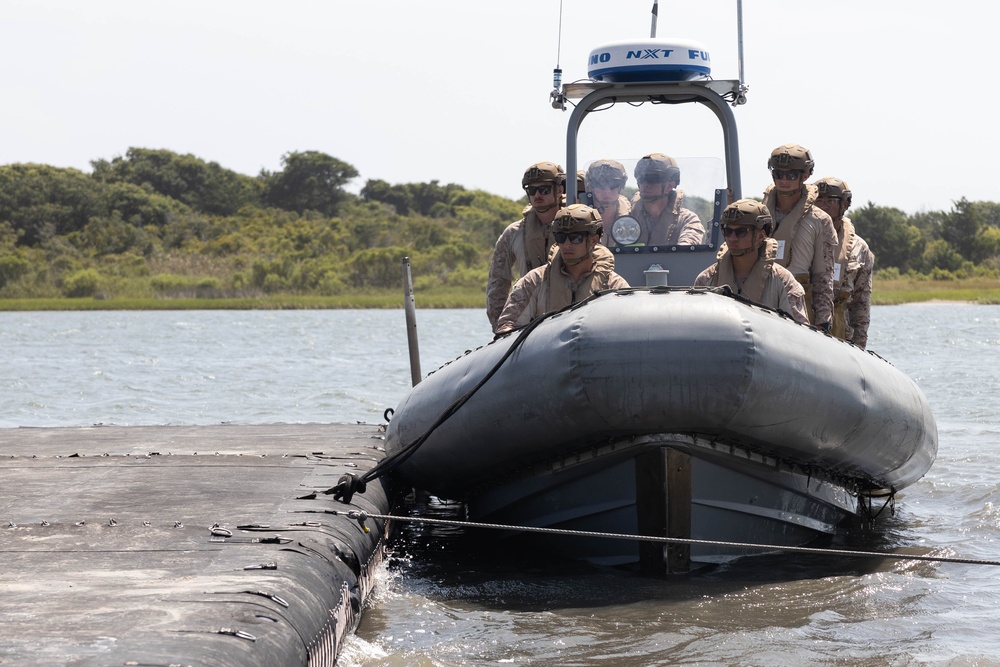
(896, 97)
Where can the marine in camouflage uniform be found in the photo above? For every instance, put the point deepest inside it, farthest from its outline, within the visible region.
(807, 240)
(748, 264)
(605, 179)
(855, 262)
(574, 272)
(659, 205)
(524, 244)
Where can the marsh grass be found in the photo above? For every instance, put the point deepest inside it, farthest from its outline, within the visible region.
(885, 293)
(442, 297)
(912, 290)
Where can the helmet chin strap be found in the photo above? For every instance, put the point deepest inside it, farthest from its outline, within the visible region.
(746, 251)
(577, 260)
(543, 209)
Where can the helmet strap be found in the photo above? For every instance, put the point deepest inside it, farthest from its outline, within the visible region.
(577, 260)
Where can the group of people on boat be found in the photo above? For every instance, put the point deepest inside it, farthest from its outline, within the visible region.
(795, 250)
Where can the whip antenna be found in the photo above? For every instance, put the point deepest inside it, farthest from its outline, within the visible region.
(556, 96)
(656, 11)
(741, 98)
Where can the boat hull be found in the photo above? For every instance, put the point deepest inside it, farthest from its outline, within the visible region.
(633, 488)
(727, 382)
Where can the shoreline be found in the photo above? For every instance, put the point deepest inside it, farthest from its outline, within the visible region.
(890, 293)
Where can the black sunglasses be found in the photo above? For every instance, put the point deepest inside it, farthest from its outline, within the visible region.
(652, 178)
(576, 238)
(786, 175)
(541, 189)
(738, 232)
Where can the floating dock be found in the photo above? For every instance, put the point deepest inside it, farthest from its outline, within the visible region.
(185, 545)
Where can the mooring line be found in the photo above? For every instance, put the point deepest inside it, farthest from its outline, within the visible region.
(361, 516)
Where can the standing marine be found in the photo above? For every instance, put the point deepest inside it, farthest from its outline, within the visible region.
(853, 266)
(805, 234)
(524, 245)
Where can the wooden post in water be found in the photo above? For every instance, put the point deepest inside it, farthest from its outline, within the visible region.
(411, 322)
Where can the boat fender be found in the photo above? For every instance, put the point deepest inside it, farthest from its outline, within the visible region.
(346, 487)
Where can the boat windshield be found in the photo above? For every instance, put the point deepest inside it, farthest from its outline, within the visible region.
(686, 220)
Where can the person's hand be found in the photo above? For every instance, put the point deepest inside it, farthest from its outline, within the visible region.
(825, 327)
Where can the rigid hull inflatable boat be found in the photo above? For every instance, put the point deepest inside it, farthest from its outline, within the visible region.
(685, 413)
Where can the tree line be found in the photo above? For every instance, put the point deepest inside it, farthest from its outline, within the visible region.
(154, 223)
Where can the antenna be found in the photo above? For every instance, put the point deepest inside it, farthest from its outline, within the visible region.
(656, 11)
(556, 96)
(741, 98)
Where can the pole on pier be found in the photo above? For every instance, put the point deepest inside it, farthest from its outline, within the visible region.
(411, 322)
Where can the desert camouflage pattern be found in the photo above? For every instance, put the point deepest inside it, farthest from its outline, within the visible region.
(549, 288)
(807, 248)
(524, 245)
(769, 283)
(676, 225)
(609, 216)
(853, 290)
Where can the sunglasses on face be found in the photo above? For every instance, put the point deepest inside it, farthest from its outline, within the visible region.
(652, 179)
(738, 232)
(576, 238)
(540, 189)
(777, 174)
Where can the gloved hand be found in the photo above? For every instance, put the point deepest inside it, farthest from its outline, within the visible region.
(346, 487)
(825, 327)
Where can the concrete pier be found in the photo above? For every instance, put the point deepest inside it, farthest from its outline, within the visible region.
(184, 545)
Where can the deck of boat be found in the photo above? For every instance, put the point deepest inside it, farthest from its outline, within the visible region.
(177, 545)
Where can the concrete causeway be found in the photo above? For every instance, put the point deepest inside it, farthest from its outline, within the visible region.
(185, 545)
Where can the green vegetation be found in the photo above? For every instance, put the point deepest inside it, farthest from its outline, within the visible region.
(155, 229)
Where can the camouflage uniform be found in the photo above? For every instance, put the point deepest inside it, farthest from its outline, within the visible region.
(624, 208)
(676, 225)
(807, 241)
(523, 246)
(852, 303)
(768, 284)
(544, 290)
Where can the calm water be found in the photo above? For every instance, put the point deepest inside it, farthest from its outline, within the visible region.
(445, 600)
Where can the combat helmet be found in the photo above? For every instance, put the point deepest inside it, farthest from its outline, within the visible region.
(792, 157)
(542, 172)
(606, 174)
(658, 163)
(834, 187)
(578, 218)
(747, 212)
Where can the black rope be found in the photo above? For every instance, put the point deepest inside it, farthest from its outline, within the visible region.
(344, 489)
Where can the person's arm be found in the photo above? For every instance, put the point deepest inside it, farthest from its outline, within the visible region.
(500, 277)
(519, 308)
(821, 272)
(692, 231)
(859, 308)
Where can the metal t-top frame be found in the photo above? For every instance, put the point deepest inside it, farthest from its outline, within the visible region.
(719, 96)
